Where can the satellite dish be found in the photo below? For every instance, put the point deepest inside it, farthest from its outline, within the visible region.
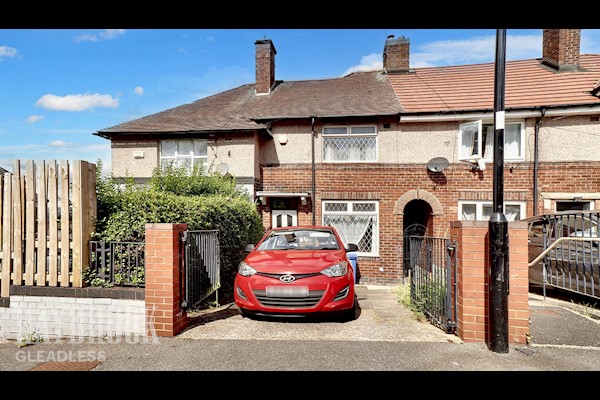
(223, 169)
(437, 164)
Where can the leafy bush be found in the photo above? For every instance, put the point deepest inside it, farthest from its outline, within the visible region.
(208, 202)
(200, 182)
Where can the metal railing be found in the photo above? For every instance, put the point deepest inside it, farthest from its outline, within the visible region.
(433, 279)
(116, 264)
(202, 266)
(569, 254)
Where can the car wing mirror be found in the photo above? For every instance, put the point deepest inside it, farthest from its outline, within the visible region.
(352, 247)
(249, 247)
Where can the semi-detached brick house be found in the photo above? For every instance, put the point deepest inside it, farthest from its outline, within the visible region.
(354, 151)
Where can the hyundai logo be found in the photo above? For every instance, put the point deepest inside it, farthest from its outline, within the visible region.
(287, 278)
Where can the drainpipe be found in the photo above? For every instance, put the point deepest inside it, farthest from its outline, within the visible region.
(314, 179)
(538, 123)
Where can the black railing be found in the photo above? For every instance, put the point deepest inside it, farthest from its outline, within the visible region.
(433, 279)
(201, 266)
(116, 264)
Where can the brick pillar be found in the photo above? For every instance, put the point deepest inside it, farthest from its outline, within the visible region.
(163, 302)
(473, 281)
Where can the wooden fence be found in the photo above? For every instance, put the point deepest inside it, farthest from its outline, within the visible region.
(47, 214)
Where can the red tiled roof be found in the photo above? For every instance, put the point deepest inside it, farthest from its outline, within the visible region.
(471, 87)
(357, 94)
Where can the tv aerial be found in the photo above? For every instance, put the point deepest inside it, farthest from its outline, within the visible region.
(437, 164)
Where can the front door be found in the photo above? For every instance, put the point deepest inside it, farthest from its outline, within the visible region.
(284, 218)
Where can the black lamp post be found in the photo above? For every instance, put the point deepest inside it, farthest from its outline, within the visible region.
(498, 224)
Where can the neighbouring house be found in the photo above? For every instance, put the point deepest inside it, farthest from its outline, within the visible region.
(2, 171)
(389, 153)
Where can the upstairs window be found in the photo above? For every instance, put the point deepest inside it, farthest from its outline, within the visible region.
(184, 153)
(476, 140)
(350, 143)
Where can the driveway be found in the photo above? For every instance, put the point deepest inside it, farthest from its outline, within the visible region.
(380, 318)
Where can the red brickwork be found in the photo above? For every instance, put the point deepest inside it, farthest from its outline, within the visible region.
(265, 66)
(473, 281)
(561, 47)
(163, 274)
(387, 183)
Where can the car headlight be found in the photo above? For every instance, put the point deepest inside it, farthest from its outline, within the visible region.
(245, 270)
(339, 269)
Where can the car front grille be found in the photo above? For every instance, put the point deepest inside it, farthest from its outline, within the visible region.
(289, 302)
(297, 276)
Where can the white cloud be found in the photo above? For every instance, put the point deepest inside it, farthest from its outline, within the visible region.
(475, 50)
(7, 52)
(60, 143)
(111, 33)
(32, 119)
(138, 90)
(106, 34)
(77, 102)
(371, 62)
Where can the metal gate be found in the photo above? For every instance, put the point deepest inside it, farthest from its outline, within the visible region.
(566, 246)
(201, 266)
(433, 279)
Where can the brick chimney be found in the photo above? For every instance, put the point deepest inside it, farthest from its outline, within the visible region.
(265, 66)
(561, 49)
(396, 54)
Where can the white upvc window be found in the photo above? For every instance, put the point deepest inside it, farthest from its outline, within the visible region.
(483, 210)
(350, 143)
(184, 152)
(476, 141)
(356, 222)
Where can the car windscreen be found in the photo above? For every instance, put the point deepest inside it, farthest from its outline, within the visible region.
(300, 240)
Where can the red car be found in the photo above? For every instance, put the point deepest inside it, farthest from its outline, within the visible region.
(297, 271)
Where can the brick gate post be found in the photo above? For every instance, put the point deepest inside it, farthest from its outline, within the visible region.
(164, 315)
(473, 281)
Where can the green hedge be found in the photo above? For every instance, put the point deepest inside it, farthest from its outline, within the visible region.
(123, 212)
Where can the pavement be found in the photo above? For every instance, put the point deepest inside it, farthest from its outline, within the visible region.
(386, 336)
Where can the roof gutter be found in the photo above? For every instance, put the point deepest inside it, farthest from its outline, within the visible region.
(108, 135)
(566, 110)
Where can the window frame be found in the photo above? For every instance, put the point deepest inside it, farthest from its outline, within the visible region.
(350, 211)
(479, 208)
(349, 134)
(565, 201)
(176, 156)
(480, 145)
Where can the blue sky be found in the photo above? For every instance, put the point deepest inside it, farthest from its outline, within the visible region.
(59, 86)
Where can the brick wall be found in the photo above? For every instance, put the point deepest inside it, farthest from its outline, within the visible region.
(388, 182)
(163, 279)
(473, 281)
